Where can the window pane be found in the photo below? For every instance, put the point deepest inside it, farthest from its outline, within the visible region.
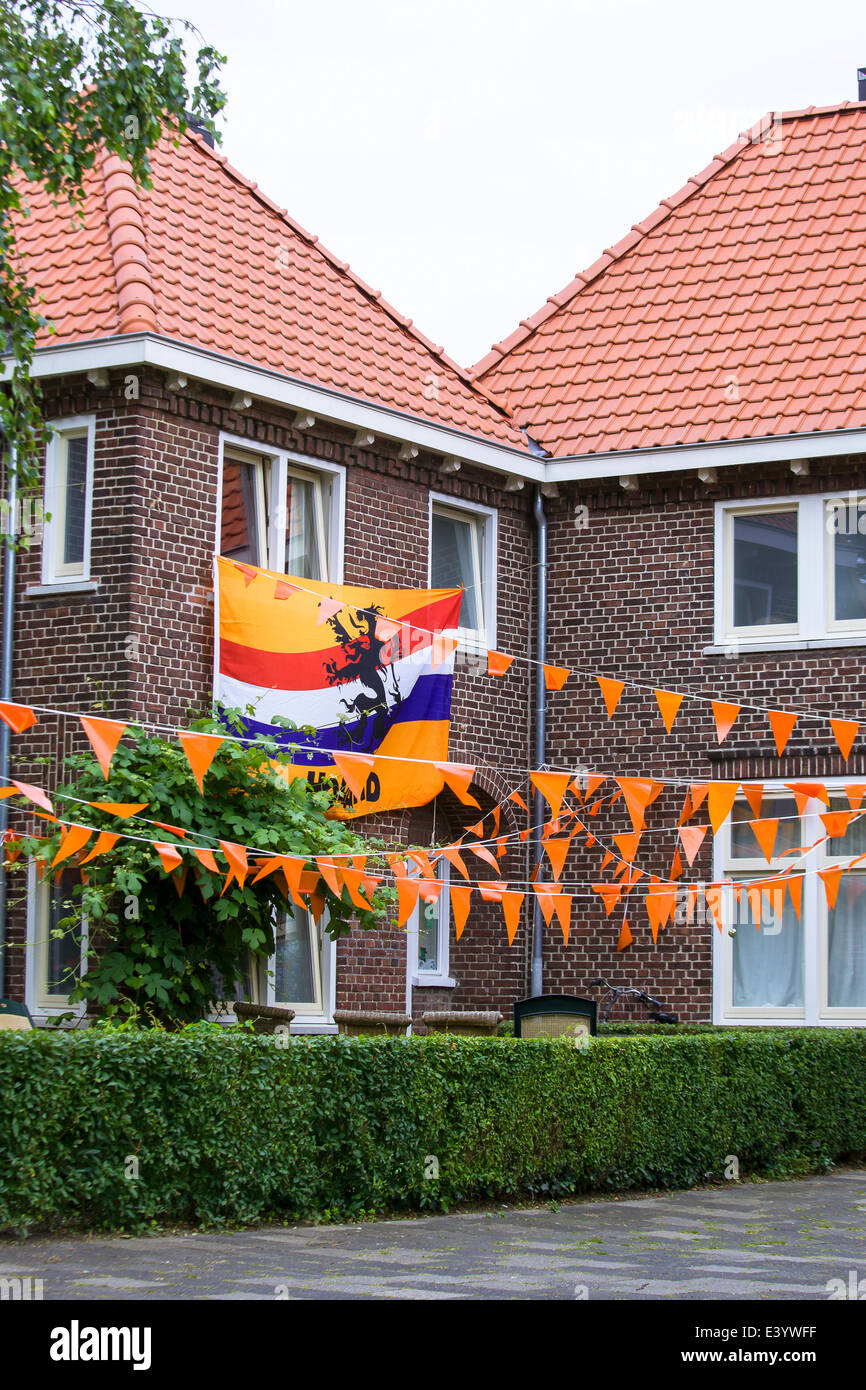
(849, 562)
(428, 935)
(853, 842)
(765, 569)
(63, 953)
(75, 508)
(453, 563)
(744, 845)
(304, 518)
(239, 537)
(768, 964)
(846, 973)
(295, 972)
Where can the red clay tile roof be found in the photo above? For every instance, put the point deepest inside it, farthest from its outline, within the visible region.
(205, 259)
(737, 309)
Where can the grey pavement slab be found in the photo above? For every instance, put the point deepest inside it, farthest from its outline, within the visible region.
(756, 1241)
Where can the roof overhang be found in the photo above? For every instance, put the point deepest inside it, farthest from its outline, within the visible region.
(199, 364)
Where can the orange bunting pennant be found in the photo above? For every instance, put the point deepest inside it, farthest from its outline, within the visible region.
(627, 845)
(553, 787)
(557, 851)
(179, 878)
(692, 837)
(283, 589)
(355, 880)
(407, 898)
(668, 703)
(562, 908)
(354, 769)
(808, 791)
(458, 777)
(795, 892)
(720, 800)
(430, 889)
(698, 793)
(498, 663)
(104, 736)
(331, 874)
(18, 717)
(845, 732)
(546, 896)
(725, 716)
(105, 841)
(169, 856)
(688, 811)
(248, 573)
(74, 839)
(511, 904)
(518, 801)
(200, 750)
(638, 792)
(238, 865)
(836, 822)
(458, 900)
(34, 794)
(713, 898)
(611, 691)
(206, 859)
(453, 855)
(267, 866)
(608, 859)
(556, 676)
(765, 832)
(754, 794)
(830, 879)
(855, 791)
(328, 608)
(610, 894)
(483, 853)
(625, 936)
(122, 809)
(782, 725)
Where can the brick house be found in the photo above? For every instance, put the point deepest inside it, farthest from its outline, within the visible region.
(688, 414)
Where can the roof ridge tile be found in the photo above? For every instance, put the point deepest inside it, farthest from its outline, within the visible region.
(136, 300)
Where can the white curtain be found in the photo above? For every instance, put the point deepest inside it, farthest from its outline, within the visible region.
(768, 964)
(846, 945)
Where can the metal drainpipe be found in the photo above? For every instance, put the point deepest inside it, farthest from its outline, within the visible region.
(536, 978)
(6, 687)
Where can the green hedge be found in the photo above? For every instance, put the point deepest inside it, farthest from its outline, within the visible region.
(230, 1128)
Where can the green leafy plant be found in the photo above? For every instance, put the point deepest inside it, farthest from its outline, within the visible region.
(167, 945)
(77, 76)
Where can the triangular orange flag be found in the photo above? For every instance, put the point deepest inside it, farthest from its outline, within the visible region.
(713, 898)
(248, 573)
(328, 608)
(122, 809)
(556, 676)
(795, 890)
(562, 908)
(698, 793)
(676, 865)
(238, 865)
(611, 690)
(844, 732)
(34, 794)
(104, 842)
(836, 822)
(511, 905)
(482, 853)
(206, 859)
(610, 894)
(638, 794)
(557, 851)
(668, 702)
(518, 801)
(546, 895)
(625, 936)
(688, 810)
(73, 840)
(169, 856)
(407, 898)
(498, 663)
(754, 794)
(627, 845)
(765, 832)
(458, 898)
(331, 874)
(355, 769)
(18, 717)
(830, 878)
(855, 791)
(104, 735)
(725, 716)
(200, 749)
(453, 855)
(458, 777)
(296, 876)
(692, 837)
(720, 800)
(179, 878)
(283, 589)
(553, 786)
(782, 725)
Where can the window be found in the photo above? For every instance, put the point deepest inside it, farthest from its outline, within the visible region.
(297, 964)
(427, 936)
(68, 503)
(812, 970)
(281, 515)
(463, 552)
(56, 946)
(791, 573)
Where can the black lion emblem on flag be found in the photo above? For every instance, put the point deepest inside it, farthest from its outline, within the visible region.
(360, 659)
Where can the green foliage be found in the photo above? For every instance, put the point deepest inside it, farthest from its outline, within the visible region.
(75, 75)
(232, 1128)
(161, 954)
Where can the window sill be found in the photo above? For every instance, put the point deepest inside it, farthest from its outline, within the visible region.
(433, 981)
(736, 647)
(66, 586)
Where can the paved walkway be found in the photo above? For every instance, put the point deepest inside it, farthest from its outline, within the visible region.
(755, 1241)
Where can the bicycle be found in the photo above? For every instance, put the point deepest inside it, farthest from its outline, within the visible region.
(640, 996)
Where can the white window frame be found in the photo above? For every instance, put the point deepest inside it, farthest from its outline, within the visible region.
(42, 1005)
(281, 463)
(815, 626)
(316, 1017)
(54, 571)
(487, 519)
(815, 1011)
(439, 978)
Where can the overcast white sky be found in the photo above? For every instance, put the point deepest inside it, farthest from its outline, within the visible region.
(468, 157)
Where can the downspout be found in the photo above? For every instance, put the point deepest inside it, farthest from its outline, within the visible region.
(6, 687)
(536, 977)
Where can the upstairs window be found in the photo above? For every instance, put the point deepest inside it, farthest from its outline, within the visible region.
(280, 515)
(463, 553)
(68, 503)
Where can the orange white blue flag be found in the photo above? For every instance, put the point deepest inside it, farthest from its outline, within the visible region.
(328, 669)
